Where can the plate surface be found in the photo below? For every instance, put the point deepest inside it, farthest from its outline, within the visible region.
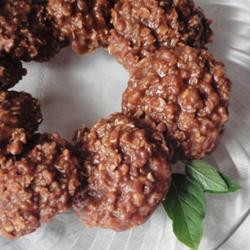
(74, 90)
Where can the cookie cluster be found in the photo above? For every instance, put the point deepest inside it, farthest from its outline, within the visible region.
(117, 172)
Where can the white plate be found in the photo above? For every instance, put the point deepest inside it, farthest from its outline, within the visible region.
(75, 90)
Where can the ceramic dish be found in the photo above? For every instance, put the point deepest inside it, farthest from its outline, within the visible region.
(80, 89)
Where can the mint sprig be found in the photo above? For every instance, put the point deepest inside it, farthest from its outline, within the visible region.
(185, 203)
(186, 206)
(210, 178)
(232, 185)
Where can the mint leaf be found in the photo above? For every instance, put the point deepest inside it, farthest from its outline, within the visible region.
(207, 176)
(232, 185)
(186, 206)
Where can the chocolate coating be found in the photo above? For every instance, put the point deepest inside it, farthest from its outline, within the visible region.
(184, 93)
(143, 26)
(37, 185)
(84, 23)
(26, 33)
(11, 72)
(127, 170)
(20, 116)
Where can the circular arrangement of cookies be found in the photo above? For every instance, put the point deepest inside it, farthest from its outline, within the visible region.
(117, 172)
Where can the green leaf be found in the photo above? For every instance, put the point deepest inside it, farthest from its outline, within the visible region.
(207, 176)
(232, 185)
(186, 206)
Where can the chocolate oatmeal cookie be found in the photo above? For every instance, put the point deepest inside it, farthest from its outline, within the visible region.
(143, 26)
(127, 171)
(20, 116)
(37, 185)
(83, 23)
(26, 32)
(184, 93)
